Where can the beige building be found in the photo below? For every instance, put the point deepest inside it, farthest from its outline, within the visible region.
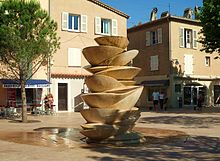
(79, 22)
(171, 61)
(36, 88)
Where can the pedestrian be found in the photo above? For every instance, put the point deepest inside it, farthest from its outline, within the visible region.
(48, 100)
(199, 102)
(155, 96)
(161, 100)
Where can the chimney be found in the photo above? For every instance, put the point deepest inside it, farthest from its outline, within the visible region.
(188, 12)
(164, 14)
(153, 15)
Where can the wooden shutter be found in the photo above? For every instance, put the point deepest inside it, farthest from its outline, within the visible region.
(195, 43)
(114, 27)
(98, 25)
(188, 64)
(83, 23)
(74, 56)
(154, 63)
(65, 16)
(147, 38)
(160, 34)
(181, 37)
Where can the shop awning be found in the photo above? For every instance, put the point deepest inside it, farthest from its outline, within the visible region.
(31, 83)
(154, 83)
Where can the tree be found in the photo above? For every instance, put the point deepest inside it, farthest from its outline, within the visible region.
(210, 20)
(28, 38)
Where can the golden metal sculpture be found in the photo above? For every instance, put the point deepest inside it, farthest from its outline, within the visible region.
(112, 113)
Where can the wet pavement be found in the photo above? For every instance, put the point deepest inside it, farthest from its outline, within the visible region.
(170, 136)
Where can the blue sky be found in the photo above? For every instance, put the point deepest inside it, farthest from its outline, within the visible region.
(139, 10)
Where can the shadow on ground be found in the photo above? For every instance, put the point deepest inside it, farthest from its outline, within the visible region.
(191, 148)
(190, 121)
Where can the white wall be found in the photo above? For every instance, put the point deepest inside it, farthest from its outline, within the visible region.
(74, 88)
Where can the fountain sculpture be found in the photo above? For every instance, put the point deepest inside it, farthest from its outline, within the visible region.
(113, 94)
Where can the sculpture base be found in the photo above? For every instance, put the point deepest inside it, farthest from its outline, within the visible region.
(119, 140)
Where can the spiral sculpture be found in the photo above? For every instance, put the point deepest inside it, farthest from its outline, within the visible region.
(113, 94)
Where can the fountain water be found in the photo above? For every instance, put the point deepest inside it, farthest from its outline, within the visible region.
(112, 113)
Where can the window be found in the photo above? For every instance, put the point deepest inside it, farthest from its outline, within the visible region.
(178, 88)
(74, 22)
(154, 37)
(207, 61)
(216, 93)
(188, 38)
(74, 57)
(154, 65)
(106, 26)
(188, 64)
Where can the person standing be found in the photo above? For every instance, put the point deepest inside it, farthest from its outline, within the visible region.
(161, 100)
(155, 96)
(199, 102)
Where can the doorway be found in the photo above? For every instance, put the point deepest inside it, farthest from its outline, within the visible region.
(191, 93)
(62, 96)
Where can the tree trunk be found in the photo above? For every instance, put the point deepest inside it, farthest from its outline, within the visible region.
(24, 102)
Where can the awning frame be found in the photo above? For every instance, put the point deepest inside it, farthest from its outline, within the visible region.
(31, 83)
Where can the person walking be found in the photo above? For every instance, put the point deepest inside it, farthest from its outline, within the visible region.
(155, 96)
(161, 100)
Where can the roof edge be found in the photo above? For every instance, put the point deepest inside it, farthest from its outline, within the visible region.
(110, 8)
(164, 19)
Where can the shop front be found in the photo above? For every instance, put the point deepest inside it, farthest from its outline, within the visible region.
(10, 92)
(149, 87)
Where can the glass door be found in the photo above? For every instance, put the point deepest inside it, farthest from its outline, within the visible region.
(187, 94)
(191, 94)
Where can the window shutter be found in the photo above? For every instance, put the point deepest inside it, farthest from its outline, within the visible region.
(65, 16)
(74, 56)
(181, 37)
(147, 38)
(159, 34)
(188, 64)
(151, 63)
(83, 23)
(154, 64)
(98, 25)
(114, 27)
(195, 43)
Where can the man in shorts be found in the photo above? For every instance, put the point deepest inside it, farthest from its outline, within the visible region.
(155, 96)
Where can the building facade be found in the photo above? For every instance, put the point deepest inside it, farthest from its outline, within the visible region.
(36, 88)
(172, 62)
(79, 22)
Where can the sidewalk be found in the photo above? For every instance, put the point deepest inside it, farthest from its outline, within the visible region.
(202, 142)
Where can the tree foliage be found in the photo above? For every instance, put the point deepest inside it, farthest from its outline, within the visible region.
(210, 20)
(27, 39)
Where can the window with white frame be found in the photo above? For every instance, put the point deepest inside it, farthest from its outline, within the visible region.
(74, 22)
(188, 64)
(188, 38)
(207, 61)
(154, 63)
(154, 37)
(74, 57)
(105, 26)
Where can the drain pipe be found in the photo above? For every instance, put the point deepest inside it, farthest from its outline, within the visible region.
(49, 59)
